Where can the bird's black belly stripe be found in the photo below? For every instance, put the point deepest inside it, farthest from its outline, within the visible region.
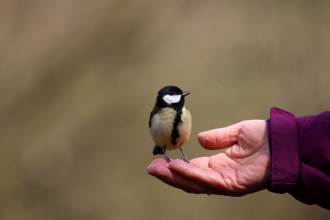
(175, 131)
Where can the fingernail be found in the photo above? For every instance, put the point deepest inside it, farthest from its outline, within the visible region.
(149, 170)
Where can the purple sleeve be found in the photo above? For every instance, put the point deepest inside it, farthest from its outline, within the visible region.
(300, 156)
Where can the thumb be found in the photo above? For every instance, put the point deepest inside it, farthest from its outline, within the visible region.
(219, 138)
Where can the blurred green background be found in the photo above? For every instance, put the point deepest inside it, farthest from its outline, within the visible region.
(78, 80)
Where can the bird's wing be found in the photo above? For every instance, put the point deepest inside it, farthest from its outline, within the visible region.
(152, 113)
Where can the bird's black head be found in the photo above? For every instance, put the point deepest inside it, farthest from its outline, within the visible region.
(171, 96)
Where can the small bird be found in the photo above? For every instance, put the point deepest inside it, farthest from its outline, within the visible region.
(170, 121)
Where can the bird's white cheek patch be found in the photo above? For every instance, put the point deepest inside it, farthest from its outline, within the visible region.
(172, 98)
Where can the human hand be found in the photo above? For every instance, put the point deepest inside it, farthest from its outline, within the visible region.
(242, 169)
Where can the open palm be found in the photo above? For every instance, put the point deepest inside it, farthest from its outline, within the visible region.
(243, 168)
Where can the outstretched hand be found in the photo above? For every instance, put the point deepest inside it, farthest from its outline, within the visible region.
(242, 169)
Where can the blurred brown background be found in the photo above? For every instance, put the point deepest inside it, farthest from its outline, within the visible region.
(78, 80)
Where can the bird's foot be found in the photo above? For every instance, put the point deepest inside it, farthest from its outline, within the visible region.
(167, 158)
(185, 159)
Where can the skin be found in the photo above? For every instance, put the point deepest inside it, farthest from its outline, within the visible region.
(242, 169)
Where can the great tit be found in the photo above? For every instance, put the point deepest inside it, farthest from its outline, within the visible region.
(170, 121)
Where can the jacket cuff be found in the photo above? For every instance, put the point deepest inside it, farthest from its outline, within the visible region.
(283, 145)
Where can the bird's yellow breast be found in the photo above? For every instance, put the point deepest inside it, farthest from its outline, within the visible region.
(162, 126)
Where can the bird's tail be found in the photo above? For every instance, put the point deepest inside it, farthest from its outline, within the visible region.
(157, 150)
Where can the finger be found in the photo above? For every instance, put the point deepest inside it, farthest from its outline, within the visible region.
(157, 165)
(201, 162)
(219, 138)
(183, 183)
(210, 179)
(158, 168)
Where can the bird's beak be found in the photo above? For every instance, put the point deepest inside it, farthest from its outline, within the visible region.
(185, 93)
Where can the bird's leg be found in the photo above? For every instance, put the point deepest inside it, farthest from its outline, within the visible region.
(184, 156)
(165, 156)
